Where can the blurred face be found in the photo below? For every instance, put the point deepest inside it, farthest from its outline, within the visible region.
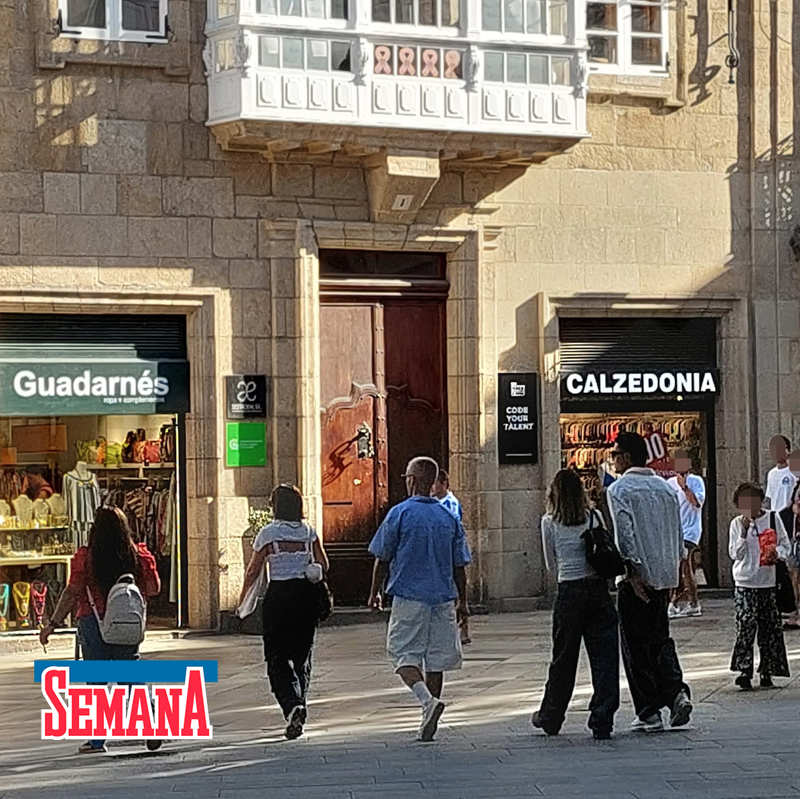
(796, 505)
(620, 460)
(439, 489)
(683, 464)
(794, 463)
(750, 505)
(777, 448)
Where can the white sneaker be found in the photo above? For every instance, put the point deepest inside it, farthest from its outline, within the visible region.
(654, 723)
(693, 610)
(431, 714)
(637, 723)
(674, 612)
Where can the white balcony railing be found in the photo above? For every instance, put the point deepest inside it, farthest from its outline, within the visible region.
(324, 69)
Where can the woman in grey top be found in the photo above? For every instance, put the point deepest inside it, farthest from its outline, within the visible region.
(583, 610)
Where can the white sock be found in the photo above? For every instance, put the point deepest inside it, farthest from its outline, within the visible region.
(422, 693)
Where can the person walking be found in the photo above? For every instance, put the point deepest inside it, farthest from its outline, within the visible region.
(290, 612)
(424, 550)
(583, 610)
(780, 480)
(441, 490)
(791, 522)
(757, 540)
(94, 569)
(690, 489)
(649, 536)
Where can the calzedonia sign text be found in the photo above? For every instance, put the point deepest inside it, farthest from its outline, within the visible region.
(673, 384)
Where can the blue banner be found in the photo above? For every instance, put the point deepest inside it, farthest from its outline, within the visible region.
(127, 671)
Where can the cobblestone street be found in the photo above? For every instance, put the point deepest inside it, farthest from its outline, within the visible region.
(360, 742)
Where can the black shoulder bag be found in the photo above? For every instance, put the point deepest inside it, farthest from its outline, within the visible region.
(601, 551)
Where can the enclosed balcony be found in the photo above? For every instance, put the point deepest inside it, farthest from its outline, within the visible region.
(499, 81)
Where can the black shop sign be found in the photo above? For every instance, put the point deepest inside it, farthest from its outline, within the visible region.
(518, 417)
(247, 396)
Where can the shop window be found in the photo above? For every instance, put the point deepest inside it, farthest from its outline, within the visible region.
(626, 35)
(293, 52)
(312, 9)
(544, 17)
(114, 20)
(530, 69)
(438, 13)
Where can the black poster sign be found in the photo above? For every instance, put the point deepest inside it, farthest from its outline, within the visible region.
(247, 396)
(518, 417)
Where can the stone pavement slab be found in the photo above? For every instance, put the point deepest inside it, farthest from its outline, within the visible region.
(360, 742)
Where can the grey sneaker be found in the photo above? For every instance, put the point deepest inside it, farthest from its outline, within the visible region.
(681, 710)
(637, 723)
(653, 723)
(430, 720)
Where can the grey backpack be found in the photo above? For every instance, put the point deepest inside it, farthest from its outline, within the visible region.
(126, 613)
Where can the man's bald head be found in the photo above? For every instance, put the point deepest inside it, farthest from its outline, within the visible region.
(423, 470)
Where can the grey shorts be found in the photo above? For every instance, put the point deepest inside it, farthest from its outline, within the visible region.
(425, 636)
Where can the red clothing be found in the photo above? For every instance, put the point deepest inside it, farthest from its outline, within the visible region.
(79, 577)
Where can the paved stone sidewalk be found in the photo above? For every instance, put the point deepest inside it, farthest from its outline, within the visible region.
(360, 739)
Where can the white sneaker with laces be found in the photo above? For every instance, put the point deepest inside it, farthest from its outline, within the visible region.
(431, 714)
(694, 610)
(674, 612)
(653, 723)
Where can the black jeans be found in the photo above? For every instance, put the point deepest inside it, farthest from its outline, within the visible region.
(290, 621)
(583, 609)
(648, 653)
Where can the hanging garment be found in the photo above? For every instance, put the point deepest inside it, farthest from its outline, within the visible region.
(83, 499)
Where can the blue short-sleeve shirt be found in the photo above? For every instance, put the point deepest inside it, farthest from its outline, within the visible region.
(423, 543)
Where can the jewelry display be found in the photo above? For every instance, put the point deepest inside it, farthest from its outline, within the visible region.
(23, 507)
(5, 513)
(39, 600)
(41, 512)
(58, 507)
(5, 590)
(22, 602)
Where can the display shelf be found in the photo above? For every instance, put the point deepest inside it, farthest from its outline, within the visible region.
(128, 466)
(33, 529)
(30, 560)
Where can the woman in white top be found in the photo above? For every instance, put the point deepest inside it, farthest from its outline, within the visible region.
(754, 558)
(290, 610)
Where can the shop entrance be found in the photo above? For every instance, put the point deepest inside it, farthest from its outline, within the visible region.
(383, 390)
(93, 414)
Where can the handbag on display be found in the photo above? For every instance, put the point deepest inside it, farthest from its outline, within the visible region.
(167, 442)
(113, 453)
(138, 445)
(601, 551)
(151, 452)
(127, 447)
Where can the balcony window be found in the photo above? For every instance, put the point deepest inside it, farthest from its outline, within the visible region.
(544, 17)
(626, 35)
(527, 69)
(114, 20)
(423, 62)
(435, 13)
(311, 9)
(293, 52)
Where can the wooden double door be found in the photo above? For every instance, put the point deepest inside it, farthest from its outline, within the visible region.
(383, 382)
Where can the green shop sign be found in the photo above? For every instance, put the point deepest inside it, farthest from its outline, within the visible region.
(79, 382)
(246, 444)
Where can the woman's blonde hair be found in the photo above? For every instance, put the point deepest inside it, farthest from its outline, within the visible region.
(567, 502)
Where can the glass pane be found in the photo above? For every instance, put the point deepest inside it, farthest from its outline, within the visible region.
(339, 9)
(451, 12)
(452, 64)
(86, 14)
(404, 12)
(512, 16)
(292, 53)
(601, 16)
(340, 56)
(646, 19)
(603, 49)
(560, 70)
(558, 17)
(268, 51)
(360, 262)
(225, 8)
(380, 11)
(427, 12)
(140, 15)
(317, 54)
(315, 8)
(515, 64)
(223, 55)
(646, 51)
(535, 10)
(268, 7)
(291, 8)
(491, 15)
(494, 67)
(537, 69)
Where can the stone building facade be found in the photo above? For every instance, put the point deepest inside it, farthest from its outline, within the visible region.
(116, 196)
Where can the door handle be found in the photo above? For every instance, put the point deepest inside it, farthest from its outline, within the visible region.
(364, 446)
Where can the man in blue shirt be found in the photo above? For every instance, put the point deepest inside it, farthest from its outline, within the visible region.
(424, 549)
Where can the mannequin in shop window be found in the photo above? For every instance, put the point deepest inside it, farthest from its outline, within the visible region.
(83, 498)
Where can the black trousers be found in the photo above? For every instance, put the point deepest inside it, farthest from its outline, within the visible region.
(290, 621)
(648, 653)
(583, 610)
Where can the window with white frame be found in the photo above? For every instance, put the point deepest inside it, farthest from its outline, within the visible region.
(627, 35)
(316, 9)
(546, 17)
(535, 69)
(295, 52)
(439, 13)
(114, 20)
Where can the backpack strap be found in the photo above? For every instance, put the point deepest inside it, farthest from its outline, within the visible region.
(91, 603)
